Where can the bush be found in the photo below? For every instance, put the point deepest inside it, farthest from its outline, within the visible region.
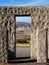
(21, 41)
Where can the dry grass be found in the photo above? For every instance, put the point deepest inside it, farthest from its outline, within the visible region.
(26, 45)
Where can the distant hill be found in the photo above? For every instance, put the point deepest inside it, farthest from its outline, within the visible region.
(22, 30)
(22, 24)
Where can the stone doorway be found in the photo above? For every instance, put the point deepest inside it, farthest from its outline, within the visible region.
(12, 54)
(39, 24)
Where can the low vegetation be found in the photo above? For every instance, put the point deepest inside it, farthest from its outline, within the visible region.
(23, 40)
(22, 34)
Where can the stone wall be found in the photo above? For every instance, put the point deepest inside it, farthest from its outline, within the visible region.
(39, 33)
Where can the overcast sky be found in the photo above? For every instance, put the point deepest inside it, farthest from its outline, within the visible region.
(24, 3)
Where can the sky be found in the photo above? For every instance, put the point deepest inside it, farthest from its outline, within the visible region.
(23, 19)
(24, 3)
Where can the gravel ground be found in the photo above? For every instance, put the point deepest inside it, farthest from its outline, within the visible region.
(23, 52)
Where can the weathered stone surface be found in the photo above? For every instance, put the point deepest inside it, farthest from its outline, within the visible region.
(3, 42)
(48, 42)
(27, 10)
(34, 44)
(41, 46)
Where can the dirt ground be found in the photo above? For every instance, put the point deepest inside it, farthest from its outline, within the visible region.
(26, 64)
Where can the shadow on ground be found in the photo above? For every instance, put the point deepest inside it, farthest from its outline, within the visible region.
(25, 61)
(21, 60)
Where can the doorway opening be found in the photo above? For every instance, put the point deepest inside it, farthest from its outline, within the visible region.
(23, 37)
